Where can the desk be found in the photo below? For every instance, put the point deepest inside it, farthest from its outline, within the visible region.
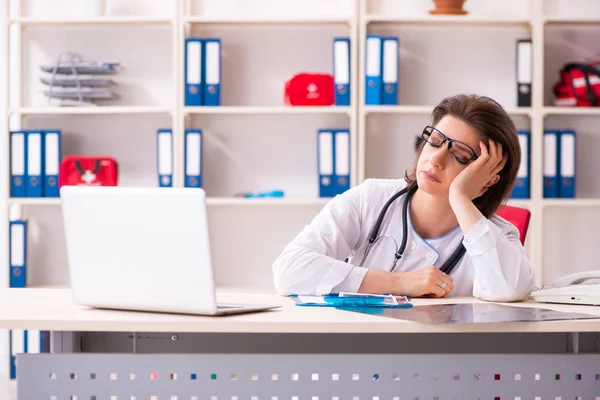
(360, 370)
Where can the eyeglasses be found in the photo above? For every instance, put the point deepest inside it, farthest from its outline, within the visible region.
(461, 151)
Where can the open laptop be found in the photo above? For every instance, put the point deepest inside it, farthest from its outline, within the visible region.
(144, 249)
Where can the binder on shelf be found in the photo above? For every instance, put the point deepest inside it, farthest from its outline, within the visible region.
(164, 145)
(521, 190)
(52, 155)
(18, 164)
(373, 78)
(35, 159)
(37, 341)
(551, 157)
(390, 67)
(18, 253)
(17, 340)
(325, 167)
(341, 70)
(193, 72)
(567, 171)
(524, 72)
(193, 158)
(342, 161)
(212, 78)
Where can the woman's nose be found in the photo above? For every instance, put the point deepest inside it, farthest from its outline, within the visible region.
(439, 156)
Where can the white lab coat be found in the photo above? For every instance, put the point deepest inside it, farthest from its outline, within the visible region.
(495, 266)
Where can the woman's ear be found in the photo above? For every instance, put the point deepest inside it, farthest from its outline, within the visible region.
(493, 180)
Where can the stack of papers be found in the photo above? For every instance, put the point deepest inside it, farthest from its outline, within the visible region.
(347, 300)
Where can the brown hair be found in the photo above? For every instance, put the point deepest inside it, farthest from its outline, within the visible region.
(491, 121)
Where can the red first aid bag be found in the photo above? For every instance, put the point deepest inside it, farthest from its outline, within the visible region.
(88, 170)
(310, 90)
(579, 85)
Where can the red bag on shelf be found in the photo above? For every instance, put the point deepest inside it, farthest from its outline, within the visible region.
(308, 89)
(88, 170)
(579, 85)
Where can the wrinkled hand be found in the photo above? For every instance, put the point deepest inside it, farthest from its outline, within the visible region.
(423, 282)
(475, 179)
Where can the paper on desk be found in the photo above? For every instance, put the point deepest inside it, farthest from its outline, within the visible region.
(346, 299)
(474, 313)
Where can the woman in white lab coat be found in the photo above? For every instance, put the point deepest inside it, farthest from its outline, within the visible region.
(464, 169)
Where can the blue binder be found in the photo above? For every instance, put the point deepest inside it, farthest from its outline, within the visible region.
(194, 87)
(373, 78)
(18, 164)
(342, 161)
(521, 190)
(17, 340)
(52, 155)
(37, 341)
(325, 162)
(17, 253)
(390, 70)
(568, 158)
(193, 158)
(551, 163)
(164, 155)
(212, 69)
(35, 160)
(341, 70)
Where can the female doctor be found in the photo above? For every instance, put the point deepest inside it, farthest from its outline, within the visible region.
(435, 232)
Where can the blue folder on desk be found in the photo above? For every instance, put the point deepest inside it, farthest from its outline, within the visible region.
(350, 300)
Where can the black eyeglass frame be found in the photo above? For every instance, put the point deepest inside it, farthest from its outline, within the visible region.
(428, 130)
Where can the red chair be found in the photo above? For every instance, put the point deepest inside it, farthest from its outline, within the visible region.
(517, 216)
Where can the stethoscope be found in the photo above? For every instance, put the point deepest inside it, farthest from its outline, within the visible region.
(448, 265)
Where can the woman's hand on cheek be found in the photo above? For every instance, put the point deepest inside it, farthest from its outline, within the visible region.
(474, 180)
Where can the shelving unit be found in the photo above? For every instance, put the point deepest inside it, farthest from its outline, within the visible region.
(254, 142)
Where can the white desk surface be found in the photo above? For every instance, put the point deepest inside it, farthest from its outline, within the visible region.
(53, 309)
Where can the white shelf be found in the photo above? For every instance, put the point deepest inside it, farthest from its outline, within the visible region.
(393, 109)
(117, 20)
(446, 19)
(92, 110)
(570, 203)
(572, 20)
(210, 201)
(267, 110)
(571, 111)
(31, 201)
(267, 20)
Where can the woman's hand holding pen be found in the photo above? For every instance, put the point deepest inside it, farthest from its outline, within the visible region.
(423, 282)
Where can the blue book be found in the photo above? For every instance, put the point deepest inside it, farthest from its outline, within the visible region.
(52, 155)
(390, 71)
(212, 70)
(18, 164)
(373, 70)
(193, 158)
(164, 150)
(568, 157)
(341, 160)
(35, 161)
(341, 70)
(551, 163)
(194, 88)
(521, 190)
(17, 253)
(325, 162)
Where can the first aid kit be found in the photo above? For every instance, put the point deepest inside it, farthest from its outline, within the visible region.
(88, 170)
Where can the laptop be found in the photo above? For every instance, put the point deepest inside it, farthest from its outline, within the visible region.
(142, 248)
